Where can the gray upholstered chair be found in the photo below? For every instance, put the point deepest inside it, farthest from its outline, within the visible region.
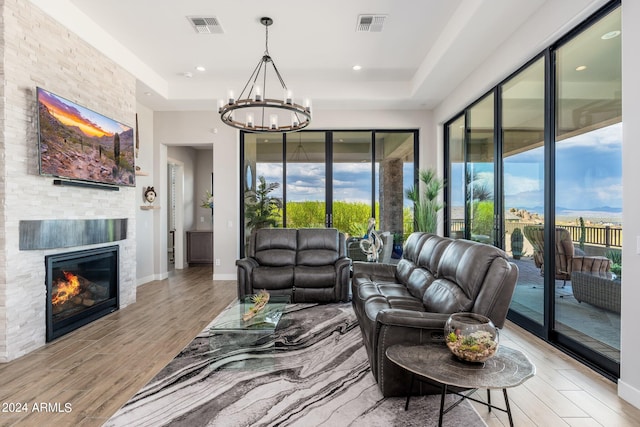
(567, 261)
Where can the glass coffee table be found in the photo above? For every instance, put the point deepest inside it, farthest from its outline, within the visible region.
(507, 368)
(230, 320)
(230, 335)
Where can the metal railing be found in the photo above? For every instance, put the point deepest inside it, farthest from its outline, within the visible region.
(606, 235)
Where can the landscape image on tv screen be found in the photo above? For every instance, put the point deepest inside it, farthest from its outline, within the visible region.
(79, 144)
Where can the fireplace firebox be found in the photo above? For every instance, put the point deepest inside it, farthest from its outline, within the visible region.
(82, 286)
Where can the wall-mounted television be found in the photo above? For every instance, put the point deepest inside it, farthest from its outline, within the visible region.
(78, 144)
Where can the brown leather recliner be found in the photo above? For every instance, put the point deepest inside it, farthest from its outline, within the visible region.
(410, 302)
(309, 265)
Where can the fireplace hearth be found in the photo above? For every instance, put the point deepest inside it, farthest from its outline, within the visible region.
(82, 286)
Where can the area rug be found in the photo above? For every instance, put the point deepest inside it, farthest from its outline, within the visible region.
(313, 371)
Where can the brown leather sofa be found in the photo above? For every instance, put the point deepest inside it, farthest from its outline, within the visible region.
(409, 303)
(309, 265)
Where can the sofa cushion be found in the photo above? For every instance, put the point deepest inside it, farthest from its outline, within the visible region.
(317, 247)
(445, 296)
(410, 256)
(267, 277)
(315, 277)
(431, 253)
(418, 282)
(387, 290)
(466, 263)
(275, 246)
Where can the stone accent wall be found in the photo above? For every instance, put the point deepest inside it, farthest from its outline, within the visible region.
(38, 51)
(391, 195)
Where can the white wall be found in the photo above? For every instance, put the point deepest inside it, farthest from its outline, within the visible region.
(549, 23)
(145, 219)
(629, 383)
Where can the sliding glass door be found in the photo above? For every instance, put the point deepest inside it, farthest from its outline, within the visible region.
(524, 183)
(546, 145)
(588, 188)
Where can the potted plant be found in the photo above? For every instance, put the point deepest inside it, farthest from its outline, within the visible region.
(261, 209)
(517, 240)
(426, 204)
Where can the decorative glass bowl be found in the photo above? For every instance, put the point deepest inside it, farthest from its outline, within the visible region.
(471, 337)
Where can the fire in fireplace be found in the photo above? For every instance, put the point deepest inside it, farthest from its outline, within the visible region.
(82, 286)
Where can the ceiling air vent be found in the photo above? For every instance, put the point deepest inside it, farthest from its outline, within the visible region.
(206, 24)
(370, 23)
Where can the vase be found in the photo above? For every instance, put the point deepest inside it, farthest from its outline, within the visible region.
(471, 337)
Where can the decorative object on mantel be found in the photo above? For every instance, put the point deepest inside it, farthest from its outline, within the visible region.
(207, 202)
(259, 301)
(264, 114)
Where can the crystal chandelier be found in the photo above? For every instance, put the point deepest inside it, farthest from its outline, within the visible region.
(263, 114)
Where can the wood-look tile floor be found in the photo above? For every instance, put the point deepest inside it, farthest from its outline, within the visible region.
(86, 376)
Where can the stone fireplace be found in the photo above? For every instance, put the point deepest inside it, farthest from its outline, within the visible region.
(81, 270)
(82, 286)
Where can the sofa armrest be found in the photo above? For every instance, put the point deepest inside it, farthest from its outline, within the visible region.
(343, 268)
(245, 268)
(397, 326)
(374, 269)
(412, 319)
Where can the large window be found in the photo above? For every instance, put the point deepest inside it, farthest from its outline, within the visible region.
(551, 160)
(329, 179)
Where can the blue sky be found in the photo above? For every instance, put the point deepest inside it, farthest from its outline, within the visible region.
(306, 181)
(588, 173)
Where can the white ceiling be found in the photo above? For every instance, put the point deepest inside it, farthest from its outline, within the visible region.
(427, 47)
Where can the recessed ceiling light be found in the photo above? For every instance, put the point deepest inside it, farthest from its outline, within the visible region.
(610, 35)
(200, 68)
(148, 93)
(188, 74)
(357, 67)
(581, 68)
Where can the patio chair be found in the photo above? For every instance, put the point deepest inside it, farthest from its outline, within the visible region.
(567, 260)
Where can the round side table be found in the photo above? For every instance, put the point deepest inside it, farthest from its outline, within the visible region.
(507, 368)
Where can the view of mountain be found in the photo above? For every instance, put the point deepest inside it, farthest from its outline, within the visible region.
(77, 143)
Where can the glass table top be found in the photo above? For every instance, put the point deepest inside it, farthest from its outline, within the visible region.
(266, 320)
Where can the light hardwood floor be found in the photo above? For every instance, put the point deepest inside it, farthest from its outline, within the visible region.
(97, 368)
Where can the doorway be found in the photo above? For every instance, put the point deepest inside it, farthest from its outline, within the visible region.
(175, 221)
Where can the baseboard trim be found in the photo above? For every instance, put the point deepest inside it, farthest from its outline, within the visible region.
(224, 276)
(142, 280)
(629, 393)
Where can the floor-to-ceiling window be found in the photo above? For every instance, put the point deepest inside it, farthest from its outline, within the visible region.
(455, 191)
(588, 186)
(555, 163)
(480, 173)
(523, 189)
(306, 172)
(329, 179)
